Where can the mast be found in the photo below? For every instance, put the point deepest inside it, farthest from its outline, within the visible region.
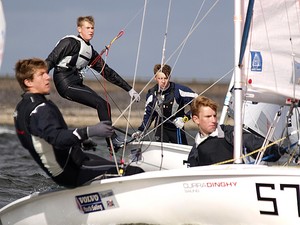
(238, 85)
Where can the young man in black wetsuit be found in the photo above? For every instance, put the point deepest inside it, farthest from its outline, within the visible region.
(42, 130)
(214, 143)
(165, 103)
(69, 57)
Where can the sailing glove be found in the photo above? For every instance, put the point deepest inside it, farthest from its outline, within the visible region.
(179, 121)
(134, 95)
(88, 144)
(102, 129)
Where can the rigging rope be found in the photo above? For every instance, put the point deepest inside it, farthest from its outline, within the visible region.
(99, 56)
(181, 46)
(192, 29)
(160, 91)
(166, 33)
(185, 40)
(292, 48)
(106, 50)
(229, 72)
(135, 72)
(263, 148)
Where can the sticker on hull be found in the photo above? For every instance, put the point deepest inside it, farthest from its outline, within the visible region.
(97, 201)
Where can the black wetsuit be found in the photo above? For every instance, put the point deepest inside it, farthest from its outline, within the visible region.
(69, 80)
(219, 148)
(43, 132)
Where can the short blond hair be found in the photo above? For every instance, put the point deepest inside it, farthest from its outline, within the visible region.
(82, 19)
(201, 101)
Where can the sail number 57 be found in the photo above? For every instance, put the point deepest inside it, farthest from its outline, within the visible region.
(273, 201)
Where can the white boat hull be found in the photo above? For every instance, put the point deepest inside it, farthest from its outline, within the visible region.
(153, 156)
(235, 194)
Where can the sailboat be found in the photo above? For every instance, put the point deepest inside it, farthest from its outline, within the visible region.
(247, 194)
(269, 72)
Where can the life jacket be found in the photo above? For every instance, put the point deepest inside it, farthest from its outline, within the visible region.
(192, 159)
(165, 103)
(212, 150)
(83, 58)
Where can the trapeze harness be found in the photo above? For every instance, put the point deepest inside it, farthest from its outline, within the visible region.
(70, 69)
(83, 57)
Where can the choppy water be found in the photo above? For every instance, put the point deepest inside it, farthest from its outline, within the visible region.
(19, 173)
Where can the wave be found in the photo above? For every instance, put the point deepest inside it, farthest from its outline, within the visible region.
(7, 130)
(15, 187)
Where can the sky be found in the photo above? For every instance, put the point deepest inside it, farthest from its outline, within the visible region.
(33, 27)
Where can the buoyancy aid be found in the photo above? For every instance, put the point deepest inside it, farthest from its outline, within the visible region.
(212, 150)
(165, 104)
(83, 57)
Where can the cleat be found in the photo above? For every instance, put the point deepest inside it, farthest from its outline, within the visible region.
(117, 143)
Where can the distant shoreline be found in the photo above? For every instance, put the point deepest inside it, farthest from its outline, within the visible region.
(78, 115)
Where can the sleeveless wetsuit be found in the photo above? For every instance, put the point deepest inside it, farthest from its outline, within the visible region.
(68, 58)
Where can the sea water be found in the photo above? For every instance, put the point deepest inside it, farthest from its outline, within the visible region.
(19, 173)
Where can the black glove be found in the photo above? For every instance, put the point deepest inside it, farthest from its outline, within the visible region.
(102, 129)
(88, 144)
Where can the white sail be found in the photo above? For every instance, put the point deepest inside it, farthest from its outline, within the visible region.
(270, 71)
(271, 68)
